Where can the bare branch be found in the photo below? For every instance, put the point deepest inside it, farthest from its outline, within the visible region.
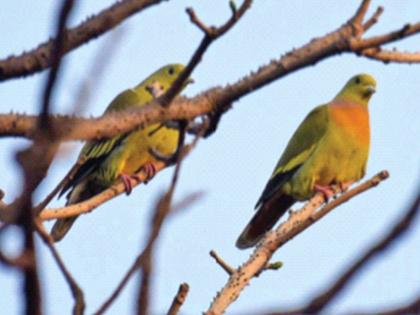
(56, 54)
(411, 308)
(222, 263)
(179, 299)
(40, 58)
(388, 56)
(373, 19)
(79, 303)
(360, 14)
(211, 34)
(297, 222)
(407, 30)
(318, 303)
(97, 200)
(344, 39)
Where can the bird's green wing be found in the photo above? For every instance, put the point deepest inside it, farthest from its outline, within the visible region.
(95, 152)
(298, 150)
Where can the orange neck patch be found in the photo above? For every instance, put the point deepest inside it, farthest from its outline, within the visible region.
(353, 118)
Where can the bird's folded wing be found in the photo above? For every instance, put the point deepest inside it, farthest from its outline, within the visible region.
(300, 147)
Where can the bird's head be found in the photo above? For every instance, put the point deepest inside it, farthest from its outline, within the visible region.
(160, 81)
(359, 88)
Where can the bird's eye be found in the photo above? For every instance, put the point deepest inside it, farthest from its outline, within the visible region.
(171, 71)
(357, 80)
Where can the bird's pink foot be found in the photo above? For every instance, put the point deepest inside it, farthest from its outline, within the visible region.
(326, 191)
(150, 170)
(127, 183)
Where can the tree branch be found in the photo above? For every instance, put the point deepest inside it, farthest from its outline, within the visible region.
(411, 308)
(344, 39)
(321, 301)
(179, 299)
(40, 58)
(79, 303)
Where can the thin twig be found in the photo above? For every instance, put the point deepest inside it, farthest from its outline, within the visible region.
(210, 35)
(394, 56)
(225, 266)
(56, 56)
(373, 19)
(79, 303)
(179, 299)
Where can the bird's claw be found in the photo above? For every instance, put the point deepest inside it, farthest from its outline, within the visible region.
(326, 191)
(128, 187)
(150, 170)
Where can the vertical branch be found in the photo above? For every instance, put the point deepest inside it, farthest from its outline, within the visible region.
(57, 53)
(35, 162)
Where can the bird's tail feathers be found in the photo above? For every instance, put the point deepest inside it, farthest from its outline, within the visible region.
(265, 218)
(62, 226)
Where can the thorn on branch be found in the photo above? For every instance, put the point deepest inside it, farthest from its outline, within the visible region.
(226, 267)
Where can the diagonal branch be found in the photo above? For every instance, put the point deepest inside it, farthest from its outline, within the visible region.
(297, 223)
(92, 203)
(79, 303)
(388, 56)
(412, 307)
(344, 39)
(400, 228)
(41, 57)
(179, 299)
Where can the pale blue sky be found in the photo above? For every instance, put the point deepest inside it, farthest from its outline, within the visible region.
(232, 166)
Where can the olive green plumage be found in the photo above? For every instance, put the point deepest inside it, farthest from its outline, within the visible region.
(124, 154)
(330, 146)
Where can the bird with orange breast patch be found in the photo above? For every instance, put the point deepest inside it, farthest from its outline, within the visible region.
(330, 147)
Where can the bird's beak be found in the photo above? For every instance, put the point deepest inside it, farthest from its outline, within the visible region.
(370, 89)
(189, 81)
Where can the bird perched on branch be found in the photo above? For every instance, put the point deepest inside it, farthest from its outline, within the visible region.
(330, 147)
(120, 157)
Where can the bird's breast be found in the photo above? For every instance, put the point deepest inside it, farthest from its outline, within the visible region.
(352, 120)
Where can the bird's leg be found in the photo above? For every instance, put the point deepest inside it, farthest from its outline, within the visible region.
(326, 191)
(127, 183)
(149, 169)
